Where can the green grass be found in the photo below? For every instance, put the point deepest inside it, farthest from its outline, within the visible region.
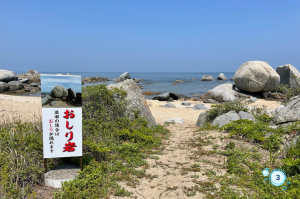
(244, 165)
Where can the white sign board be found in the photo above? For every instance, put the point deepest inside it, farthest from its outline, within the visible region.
(62, 132)
(61, 115)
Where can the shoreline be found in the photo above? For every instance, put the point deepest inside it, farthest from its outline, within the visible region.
(30, 108)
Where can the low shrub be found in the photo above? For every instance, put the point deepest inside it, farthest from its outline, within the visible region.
(288, 91)
(220, 109)
(21, 153)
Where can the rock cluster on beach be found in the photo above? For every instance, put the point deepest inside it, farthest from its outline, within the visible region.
(26, 82)
(60, 93)
(254, 78)
(93, 79)
(223, 119)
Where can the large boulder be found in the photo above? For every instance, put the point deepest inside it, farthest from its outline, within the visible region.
(207, 78)
(3, 87)
(7, 76)
(289, 75)
(59, 91)
(201, 119)
(226, 118)
(222, 93)
(15, 85)
(222, 77)
(135, 100)
(256, 76)
(288, 113)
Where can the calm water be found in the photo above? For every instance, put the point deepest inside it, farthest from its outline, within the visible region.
(159, 82)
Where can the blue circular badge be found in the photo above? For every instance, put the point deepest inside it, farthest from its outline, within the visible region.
(265, 172)
(277, 177)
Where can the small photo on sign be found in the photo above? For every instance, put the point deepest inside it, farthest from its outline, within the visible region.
(61, 91)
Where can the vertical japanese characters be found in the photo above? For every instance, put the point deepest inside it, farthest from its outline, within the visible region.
(69, 146)
(51, 138)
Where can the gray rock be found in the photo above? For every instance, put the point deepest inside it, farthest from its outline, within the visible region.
(289, 75)
(177, 96)
(53, 103)
(48, 97)
(222, 77)
(168, 105)
(266, 94)
(289, 113)
(170, 99)
(232, 79)
(26, 80)
(34, 84)
(3, 87)
(71, 93)
(7, 76)
(199, 107)
(125, 76)
(27, 89)
(237, 89)
(246, 116)
(253, 99)
(221, 93)
(45, 101)
(212, 101)
(15, 85)
(31, 75)
(59, 91)
(279, 108)
(136, 100)
(162, 97)
(207, 78)
(201, 119)
(175, 120)
(256, 76)
(117, 79)
(226, 118)
(185, 103)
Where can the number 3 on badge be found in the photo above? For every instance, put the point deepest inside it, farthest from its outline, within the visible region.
(277, 177)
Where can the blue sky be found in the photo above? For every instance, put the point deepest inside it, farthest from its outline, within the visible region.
(48, 82)
(147, 35)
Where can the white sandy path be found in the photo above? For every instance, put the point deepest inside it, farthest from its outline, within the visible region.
(169, 181)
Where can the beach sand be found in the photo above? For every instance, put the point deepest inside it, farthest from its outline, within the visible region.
(27, 109)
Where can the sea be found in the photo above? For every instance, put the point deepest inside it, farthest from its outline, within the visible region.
(156, 81)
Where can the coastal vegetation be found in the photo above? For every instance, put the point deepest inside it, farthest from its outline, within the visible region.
(114, 146)
(271, 148)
